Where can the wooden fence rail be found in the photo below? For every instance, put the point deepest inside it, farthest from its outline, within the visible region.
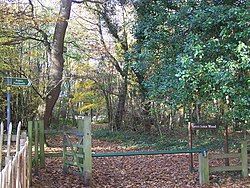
(16, 170)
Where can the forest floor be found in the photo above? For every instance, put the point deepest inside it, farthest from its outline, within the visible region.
(156, 171)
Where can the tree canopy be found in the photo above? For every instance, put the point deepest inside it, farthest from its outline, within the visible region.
(196, 52)
(140, 63)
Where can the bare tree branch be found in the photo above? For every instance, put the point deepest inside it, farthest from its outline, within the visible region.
(19, 39)
(90, 1)
(114, 60)
(84, 18)
(32, 8)
(12, 41)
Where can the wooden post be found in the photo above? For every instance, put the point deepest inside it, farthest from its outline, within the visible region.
(1, 144)
(1, 178)
(23, 138)
(36, 147)
(190, 144)
(244, 159)
(80, 124)
(8, 171)
(203, 168)
(18, 173)
(30, 125)
(226, 150)
(25, 171)
(42, 142)
(8, 157)
(87, 151)
(17, 155)
(18, 137)
(65, 168)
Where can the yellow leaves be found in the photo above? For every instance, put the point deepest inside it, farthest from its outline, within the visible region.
(86, 108)
(85, 84)
(87, 96)
(4, 66)
(80, 96)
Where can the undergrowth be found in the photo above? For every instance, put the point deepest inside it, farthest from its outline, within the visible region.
(168, 140)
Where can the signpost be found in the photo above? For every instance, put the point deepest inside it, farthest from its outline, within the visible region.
(203, 126)
(14, 82)
(196, 126)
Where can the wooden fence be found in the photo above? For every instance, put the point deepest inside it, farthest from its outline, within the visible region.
(36, 134)
(16, 171)
(36, 129)
(205, 169)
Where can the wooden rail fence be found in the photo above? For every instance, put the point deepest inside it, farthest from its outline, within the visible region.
(16, 170)
(79, 154)
(205, 169)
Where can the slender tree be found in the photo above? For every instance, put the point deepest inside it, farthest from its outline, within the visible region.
(56, 59)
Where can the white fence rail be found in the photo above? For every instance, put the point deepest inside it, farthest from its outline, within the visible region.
(16, 171)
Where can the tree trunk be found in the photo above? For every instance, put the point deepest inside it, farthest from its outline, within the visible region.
(146, 106)
(226, 148)
(147, 121)
(56, 60)
(114, 30)
(121, 104)
(109, 109)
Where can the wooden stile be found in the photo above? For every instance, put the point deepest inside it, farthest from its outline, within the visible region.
(204, 168)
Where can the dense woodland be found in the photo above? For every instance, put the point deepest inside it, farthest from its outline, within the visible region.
(136, 64)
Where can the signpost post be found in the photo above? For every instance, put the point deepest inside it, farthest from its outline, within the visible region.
(8, 103)
(14, 82)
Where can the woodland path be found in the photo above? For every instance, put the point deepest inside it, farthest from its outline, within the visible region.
(160, 171)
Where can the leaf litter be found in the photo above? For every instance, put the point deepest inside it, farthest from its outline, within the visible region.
(152, 171)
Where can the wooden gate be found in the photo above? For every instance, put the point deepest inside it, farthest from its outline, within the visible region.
(77, 157)
(73, 155)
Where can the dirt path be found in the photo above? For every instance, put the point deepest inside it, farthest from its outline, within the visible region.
(123, 172)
